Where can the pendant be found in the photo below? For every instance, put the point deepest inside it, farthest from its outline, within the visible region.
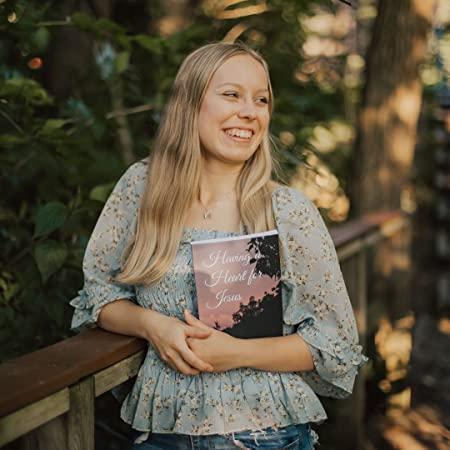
(207, 214)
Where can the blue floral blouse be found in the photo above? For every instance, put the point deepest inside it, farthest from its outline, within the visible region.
(315, 305)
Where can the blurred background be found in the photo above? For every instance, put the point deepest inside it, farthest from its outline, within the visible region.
(361, 124)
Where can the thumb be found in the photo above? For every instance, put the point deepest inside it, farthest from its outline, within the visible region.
(197, 332)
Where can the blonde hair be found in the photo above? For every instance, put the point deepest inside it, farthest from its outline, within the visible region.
(173, 177)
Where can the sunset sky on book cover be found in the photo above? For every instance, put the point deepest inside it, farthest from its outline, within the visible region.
(238, 284)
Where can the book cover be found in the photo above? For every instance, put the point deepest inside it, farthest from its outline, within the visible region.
(238, 284)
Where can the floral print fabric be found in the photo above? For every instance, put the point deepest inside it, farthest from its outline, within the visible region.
(315, 305)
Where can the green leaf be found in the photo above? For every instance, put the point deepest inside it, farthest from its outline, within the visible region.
(101, 192)
(104, 24)
(151, 44)
(27, 89)
(51, 126)
(49, 256)
(12, 140)
(83, 21)
(49, 218)
(41, 38)
(7, 215)
(122, 61)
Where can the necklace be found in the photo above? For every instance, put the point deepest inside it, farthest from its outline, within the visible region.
(207, 211)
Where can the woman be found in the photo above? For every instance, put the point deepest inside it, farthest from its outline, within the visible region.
(209, 176)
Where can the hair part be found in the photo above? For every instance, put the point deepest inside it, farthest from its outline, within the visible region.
(175, 162)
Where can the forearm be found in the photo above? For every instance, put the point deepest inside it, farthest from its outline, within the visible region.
(279, 354)
(125, 317)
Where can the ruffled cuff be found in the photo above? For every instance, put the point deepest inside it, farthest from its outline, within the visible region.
(336, 361)
(89, 304)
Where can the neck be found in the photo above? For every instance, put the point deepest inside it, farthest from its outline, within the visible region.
(217, 181)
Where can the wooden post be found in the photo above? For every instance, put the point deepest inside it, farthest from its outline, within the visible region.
(80, 418)
(71, 431)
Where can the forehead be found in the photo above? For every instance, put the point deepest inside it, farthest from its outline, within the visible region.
(243, 70)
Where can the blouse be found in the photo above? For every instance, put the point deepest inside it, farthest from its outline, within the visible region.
(315, 304)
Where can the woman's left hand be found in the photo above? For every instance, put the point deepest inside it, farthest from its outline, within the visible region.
(218, 349)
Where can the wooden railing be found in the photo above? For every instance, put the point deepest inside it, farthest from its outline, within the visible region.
(47, 397)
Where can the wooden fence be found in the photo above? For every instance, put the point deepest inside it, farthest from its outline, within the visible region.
(47, 397)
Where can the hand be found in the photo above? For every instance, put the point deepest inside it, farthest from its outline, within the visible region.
(218, 349)
(168, 336)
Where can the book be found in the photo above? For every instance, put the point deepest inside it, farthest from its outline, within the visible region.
(238, 283)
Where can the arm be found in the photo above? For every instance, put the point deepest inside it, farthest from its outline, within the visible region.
(225, 352)
(112, 305)
(166, 334)
(315, 299)
(278, 354)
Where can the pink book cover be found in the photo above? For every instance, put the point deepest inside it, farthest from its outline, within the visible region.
(238, 284)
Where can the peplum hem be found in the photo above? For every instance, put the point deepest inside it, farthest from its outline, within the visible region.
(165, 401)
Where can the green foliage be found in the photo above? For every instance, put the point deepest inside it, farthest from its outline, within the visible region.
(60, 153)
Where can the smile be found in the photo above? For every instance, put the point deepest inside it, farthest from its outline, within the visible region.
(239, 134)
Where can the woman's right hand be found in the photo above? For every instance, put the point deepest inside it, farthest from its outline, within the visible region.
(168, 336)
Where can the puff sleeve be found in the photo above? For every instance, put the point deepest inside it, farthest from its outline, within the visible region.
(103, 256)
(315, 298)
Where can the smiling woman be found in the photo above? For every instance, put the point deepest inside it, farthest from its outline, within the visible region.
(209, 176)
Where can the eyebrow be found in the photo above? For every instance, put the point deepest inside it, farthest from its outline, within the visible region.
(238, 85)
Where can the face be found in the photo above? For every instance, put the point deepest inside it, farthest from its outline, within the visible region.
(234, 114)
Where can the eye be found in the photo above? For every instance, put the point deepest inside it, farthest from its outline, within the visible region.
(231, 94)
(264, 100)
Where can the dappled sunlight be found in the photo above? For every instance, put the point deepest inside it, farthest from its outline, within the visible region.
(444, 326)
(405, 103)
(401, 141)
(315, 46)
(317, 181)
(330, 35)
(415, 429)
(325, 23)
(394, 344)
(326, 139)
(404, 427)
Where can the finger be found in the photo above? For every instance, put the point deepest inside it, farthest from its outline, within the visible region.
(193, 321)
(193, 360)
(181, 366)
(195, 332)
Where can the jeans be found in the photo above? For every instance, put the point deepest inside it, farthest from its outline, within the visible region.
(292, 437)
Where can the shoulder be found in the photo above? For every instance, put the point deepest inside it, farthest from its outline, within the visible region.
(293, 206)
(287, 196)
(134, 178)
(137, 170)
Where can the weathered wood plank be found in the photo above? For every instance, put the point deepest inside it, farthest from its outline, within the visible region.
(81, 416)
(118, 373)
(32, 416)
(50, 436)
(61, 365)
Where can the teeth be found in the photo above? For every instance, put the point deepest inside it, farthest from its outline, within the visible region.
(245, 134)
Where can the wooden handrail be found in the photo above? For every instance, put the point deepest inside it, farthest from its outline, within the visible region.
(56, 372)
(41, 373)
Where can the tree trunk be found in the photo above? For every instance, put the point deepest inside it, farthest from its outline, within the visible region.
(390, 105)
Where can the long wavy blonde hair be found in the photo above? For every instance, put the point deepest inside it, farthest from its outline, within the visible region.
(173, 178)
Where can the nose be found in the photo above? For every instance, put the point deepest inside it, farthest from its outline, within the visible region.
(247, 110)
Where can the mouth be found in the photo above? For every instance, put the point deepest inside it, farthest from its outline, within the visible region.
(239, 134)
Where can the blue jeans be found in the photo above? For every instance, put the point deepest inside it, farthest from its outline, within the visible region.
(292, 437)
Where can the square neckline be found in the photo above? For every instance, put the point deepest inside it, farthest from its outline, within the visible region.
(226, 232)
